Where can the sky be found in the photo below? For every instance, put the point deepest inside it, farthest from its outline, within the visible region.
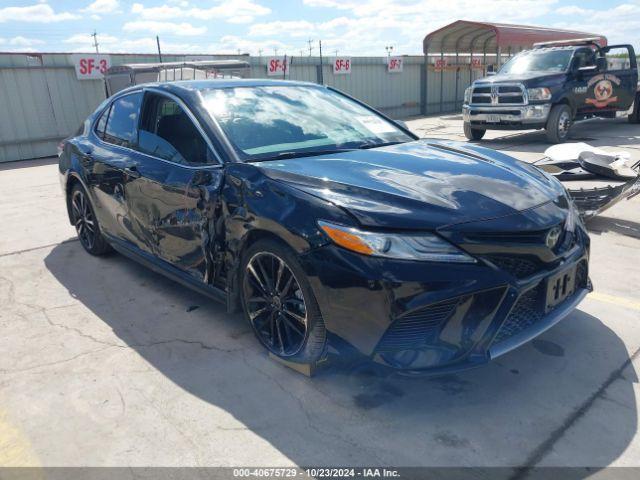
(276, 27)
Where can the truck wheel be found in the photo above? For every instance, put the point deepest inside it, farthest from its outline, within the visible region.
(634, 116)
(473, 133)
(559, 123)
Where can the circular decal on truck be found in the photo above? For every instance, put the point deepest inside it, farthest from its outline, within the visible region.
(603, 89)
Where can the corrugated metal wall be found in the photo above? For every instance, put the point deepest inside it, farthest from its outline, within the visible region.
(43, 102)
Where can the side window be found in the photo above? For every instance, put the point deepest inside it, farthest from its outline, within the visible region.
(122, 125)
(102, 123)
(167, 132)
(585, 58)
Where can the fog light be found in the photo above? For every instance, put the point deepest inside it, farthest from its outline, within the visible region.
(537, 111)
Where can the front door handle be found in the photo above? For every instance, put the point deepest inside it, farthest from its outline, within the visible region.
(132, 171)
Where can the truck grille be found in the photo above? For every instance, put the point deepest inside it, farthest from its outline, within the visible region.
(510, 94)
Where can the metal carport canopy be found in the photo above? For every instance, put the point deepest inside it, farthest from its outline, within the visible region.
(464, 36)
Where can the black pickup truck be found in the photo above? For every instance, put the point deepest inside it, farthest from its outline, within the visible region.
(552, 86)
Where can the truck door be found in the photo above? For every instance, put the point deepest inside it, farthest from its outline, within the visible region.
(583, 69)
(613, 87)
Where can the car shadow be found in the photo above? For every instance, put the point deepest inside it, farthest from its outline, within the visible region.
(602, 224)
(496, 415)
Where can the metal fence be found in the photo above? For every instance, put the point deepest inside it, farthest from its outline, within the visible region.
(42, 101)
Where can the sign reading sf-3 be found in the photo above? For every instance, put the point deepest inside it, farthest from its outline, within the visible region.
(551, 87)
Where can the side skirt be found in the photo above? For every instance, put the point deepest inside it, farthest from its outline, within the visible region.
(169, 271)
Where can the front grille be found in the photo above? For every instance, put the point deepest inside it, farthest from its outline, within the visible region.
(414, 330)
(510, 94)
(519, 267)
(525, 313)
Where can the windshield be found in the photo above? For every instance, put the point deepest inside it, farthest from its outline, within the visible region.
(538, 61)
(275, 121)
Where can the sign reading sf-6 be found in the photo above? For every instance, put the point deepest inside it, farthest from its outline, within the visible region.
(91, 66)
(341, 65)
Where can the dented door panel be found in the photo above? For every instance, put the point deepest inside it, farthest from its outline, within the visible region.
(174, 208)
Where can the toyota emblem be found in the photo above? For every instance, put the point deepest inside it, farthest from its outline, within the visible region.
(553, 236)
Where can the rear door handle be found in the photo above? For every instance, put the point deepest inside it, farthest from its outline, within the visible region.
(132, 171)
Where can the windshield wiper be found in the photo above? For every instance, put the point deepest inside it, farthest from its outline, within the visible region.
(376, 145)
(296, 154)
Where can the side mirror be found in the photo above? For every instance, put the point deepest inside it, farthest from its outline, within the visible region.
(587, 70)
(601, 64)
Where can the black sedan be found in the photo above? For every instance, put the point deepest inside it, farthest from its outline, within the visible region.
(327, 223)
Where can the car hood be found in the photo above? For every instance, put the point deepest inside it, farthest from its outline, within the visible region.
(420, 184)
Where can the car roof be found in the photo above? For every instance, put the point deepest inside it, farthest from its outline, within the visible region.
(187, 88)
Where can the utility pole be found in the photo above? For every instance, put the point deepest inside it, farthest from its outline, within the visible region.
(310, 42)
(336, 52)
(321, 72)
(275, 51)
(285, 68)
(159, 52)
(95, 40)
(389, 49)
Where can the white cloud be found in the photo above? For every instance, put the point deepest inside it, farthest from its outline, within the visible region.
(111, 44)
(101, 7)
(232, 43)
(87, 38)
(236, 11)
(21, 41)
(572, 10)
(295, 28)
(180, 29)
(37, 13)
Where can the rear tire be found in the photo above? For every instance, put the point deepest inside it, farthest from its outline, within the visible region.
(634, 116)
(559, 124)
(473, 133)
(279, 304)
(86, 223)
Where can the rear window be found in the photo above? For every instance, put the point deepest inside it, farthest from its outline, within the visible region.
(122, 125)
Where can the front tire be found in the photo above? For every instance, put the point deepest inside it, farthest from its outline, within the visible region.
(86, 224)
(473, 133)
(634, 116)
(279, 304)
(559, 124)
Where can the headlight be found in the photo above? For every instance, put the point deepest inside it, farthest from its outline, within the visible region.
(424, 247)
(467, 95)
(542, 93)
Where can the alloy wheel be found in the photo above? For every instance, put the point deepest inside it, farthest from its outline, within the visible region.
(564, 123)
(275, 304)
(83, 219)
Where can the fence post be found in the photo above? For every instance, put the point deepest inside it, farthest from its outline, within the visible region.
(424, 73)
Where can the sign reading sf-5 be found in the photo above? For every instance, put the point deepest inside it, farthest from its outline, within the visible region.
(552, 86)
(326, 222)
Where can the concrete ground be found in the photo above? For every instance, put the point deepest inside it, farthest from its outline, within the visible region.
(106, 363)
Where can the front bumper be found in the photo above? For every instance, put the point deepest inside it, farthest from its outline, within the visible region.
(436, 318)
(527, 116)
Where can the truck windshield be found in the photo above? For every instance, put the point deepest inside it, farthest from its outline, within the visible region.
(270, 122)
(538, 61)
